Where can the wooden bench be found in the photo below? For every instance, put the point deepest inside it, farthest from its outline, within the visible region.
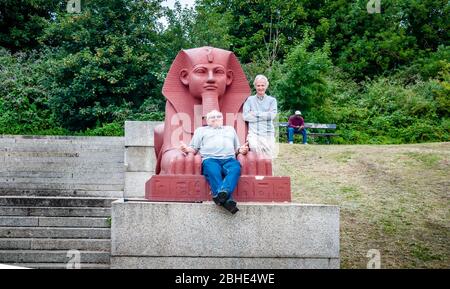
(315, 127)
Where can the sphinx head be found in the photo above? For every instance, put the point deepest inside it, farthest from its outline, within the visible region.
(206, 76)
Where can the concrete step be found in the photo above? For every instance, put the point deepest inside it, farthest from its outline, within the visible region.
(102, 180)
(55, 232)
(61, 186)
(81, 154)
(55, 212)
(47, 256)
(7, 139)
(55, 202)
(61, 148)
(23, 160)
(75, 222)
(77, 158)
(95, 184)
(61, 265)
(103, 245)
(50, 150)
(52, 167)
(60, 154)
(67, 175)
(60, 139)
(61, 193)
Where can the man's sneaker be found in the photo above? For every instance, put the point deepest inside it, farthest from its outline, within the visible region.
(231, 206)
(221, 198)
(291, 142)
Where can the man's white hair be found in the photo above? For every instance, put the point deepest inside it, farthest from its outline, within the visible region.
(261, 77)
(213, 112)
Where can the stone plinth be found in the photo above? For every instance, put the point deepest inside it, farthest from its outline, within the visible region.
(195, 188)
(140, 158)
(202, 235)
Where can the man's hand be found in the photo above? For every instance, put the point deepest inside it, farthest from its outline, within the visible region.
(186, 149)
(243, 149)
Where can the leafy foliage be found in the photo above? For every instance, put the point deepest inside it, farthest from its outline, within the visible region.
(23, 21)
(303, 82)
(107, 63)
(24, 107)
(382, 78)
(387, 110)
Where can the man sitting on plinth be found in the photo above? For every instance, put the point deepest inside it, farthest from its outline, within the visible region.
(218, 146)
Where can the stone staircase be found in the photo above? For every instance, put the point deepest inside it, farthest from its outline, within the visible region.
(40, 232)
(55, 197)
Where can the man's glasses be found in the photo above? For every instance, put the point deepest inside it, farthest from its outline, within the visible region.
(215, 116)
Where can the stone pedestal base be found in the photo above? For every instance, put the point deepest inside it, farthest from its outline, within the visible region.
(195, 188)
(203, 235)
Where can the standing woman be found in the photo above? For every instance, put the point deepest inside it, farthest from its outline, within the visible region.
(259, 111)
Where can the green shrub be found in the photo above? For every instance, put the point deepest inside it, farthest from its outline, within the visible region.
(109, 129)
(303, 83)
(24, 105)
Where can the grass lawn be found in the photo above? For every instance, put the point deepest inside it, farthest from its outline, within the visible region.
(393, 198)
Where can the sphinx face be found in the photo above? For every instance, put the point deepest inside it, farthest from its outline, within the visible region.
(206, 78)
(207, 81)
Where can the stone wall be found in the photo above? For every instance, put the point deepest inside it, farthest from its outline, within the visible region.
(140, 158)
(62, 166)
(203, 235)
(79, 166)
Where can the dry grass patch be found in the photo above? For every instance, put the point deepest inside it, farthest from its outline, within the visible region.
(394, 198)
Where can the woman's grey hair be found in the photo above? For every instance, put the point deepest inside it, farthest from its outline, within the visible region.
(261, 77)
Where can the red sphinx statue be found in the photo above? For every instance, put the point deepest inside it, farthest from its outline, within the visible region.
(201, 80)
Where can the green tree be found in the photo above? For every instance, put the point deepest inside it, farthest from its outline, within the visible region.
(362, 44)
(108, 62)
(428, 21)
(210, 28)
(177, 34)
(24, 107)
(189, 27)
(303, 84)
(259, 29)
(23, 21)
(367, 45)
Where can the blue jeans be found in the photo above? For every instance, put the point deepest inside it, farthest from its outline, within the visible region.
(291, 131)
(222, 175)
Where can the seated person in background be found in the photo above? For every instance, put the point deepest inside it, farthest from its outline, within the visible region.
(218, 146)
(296, 124)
